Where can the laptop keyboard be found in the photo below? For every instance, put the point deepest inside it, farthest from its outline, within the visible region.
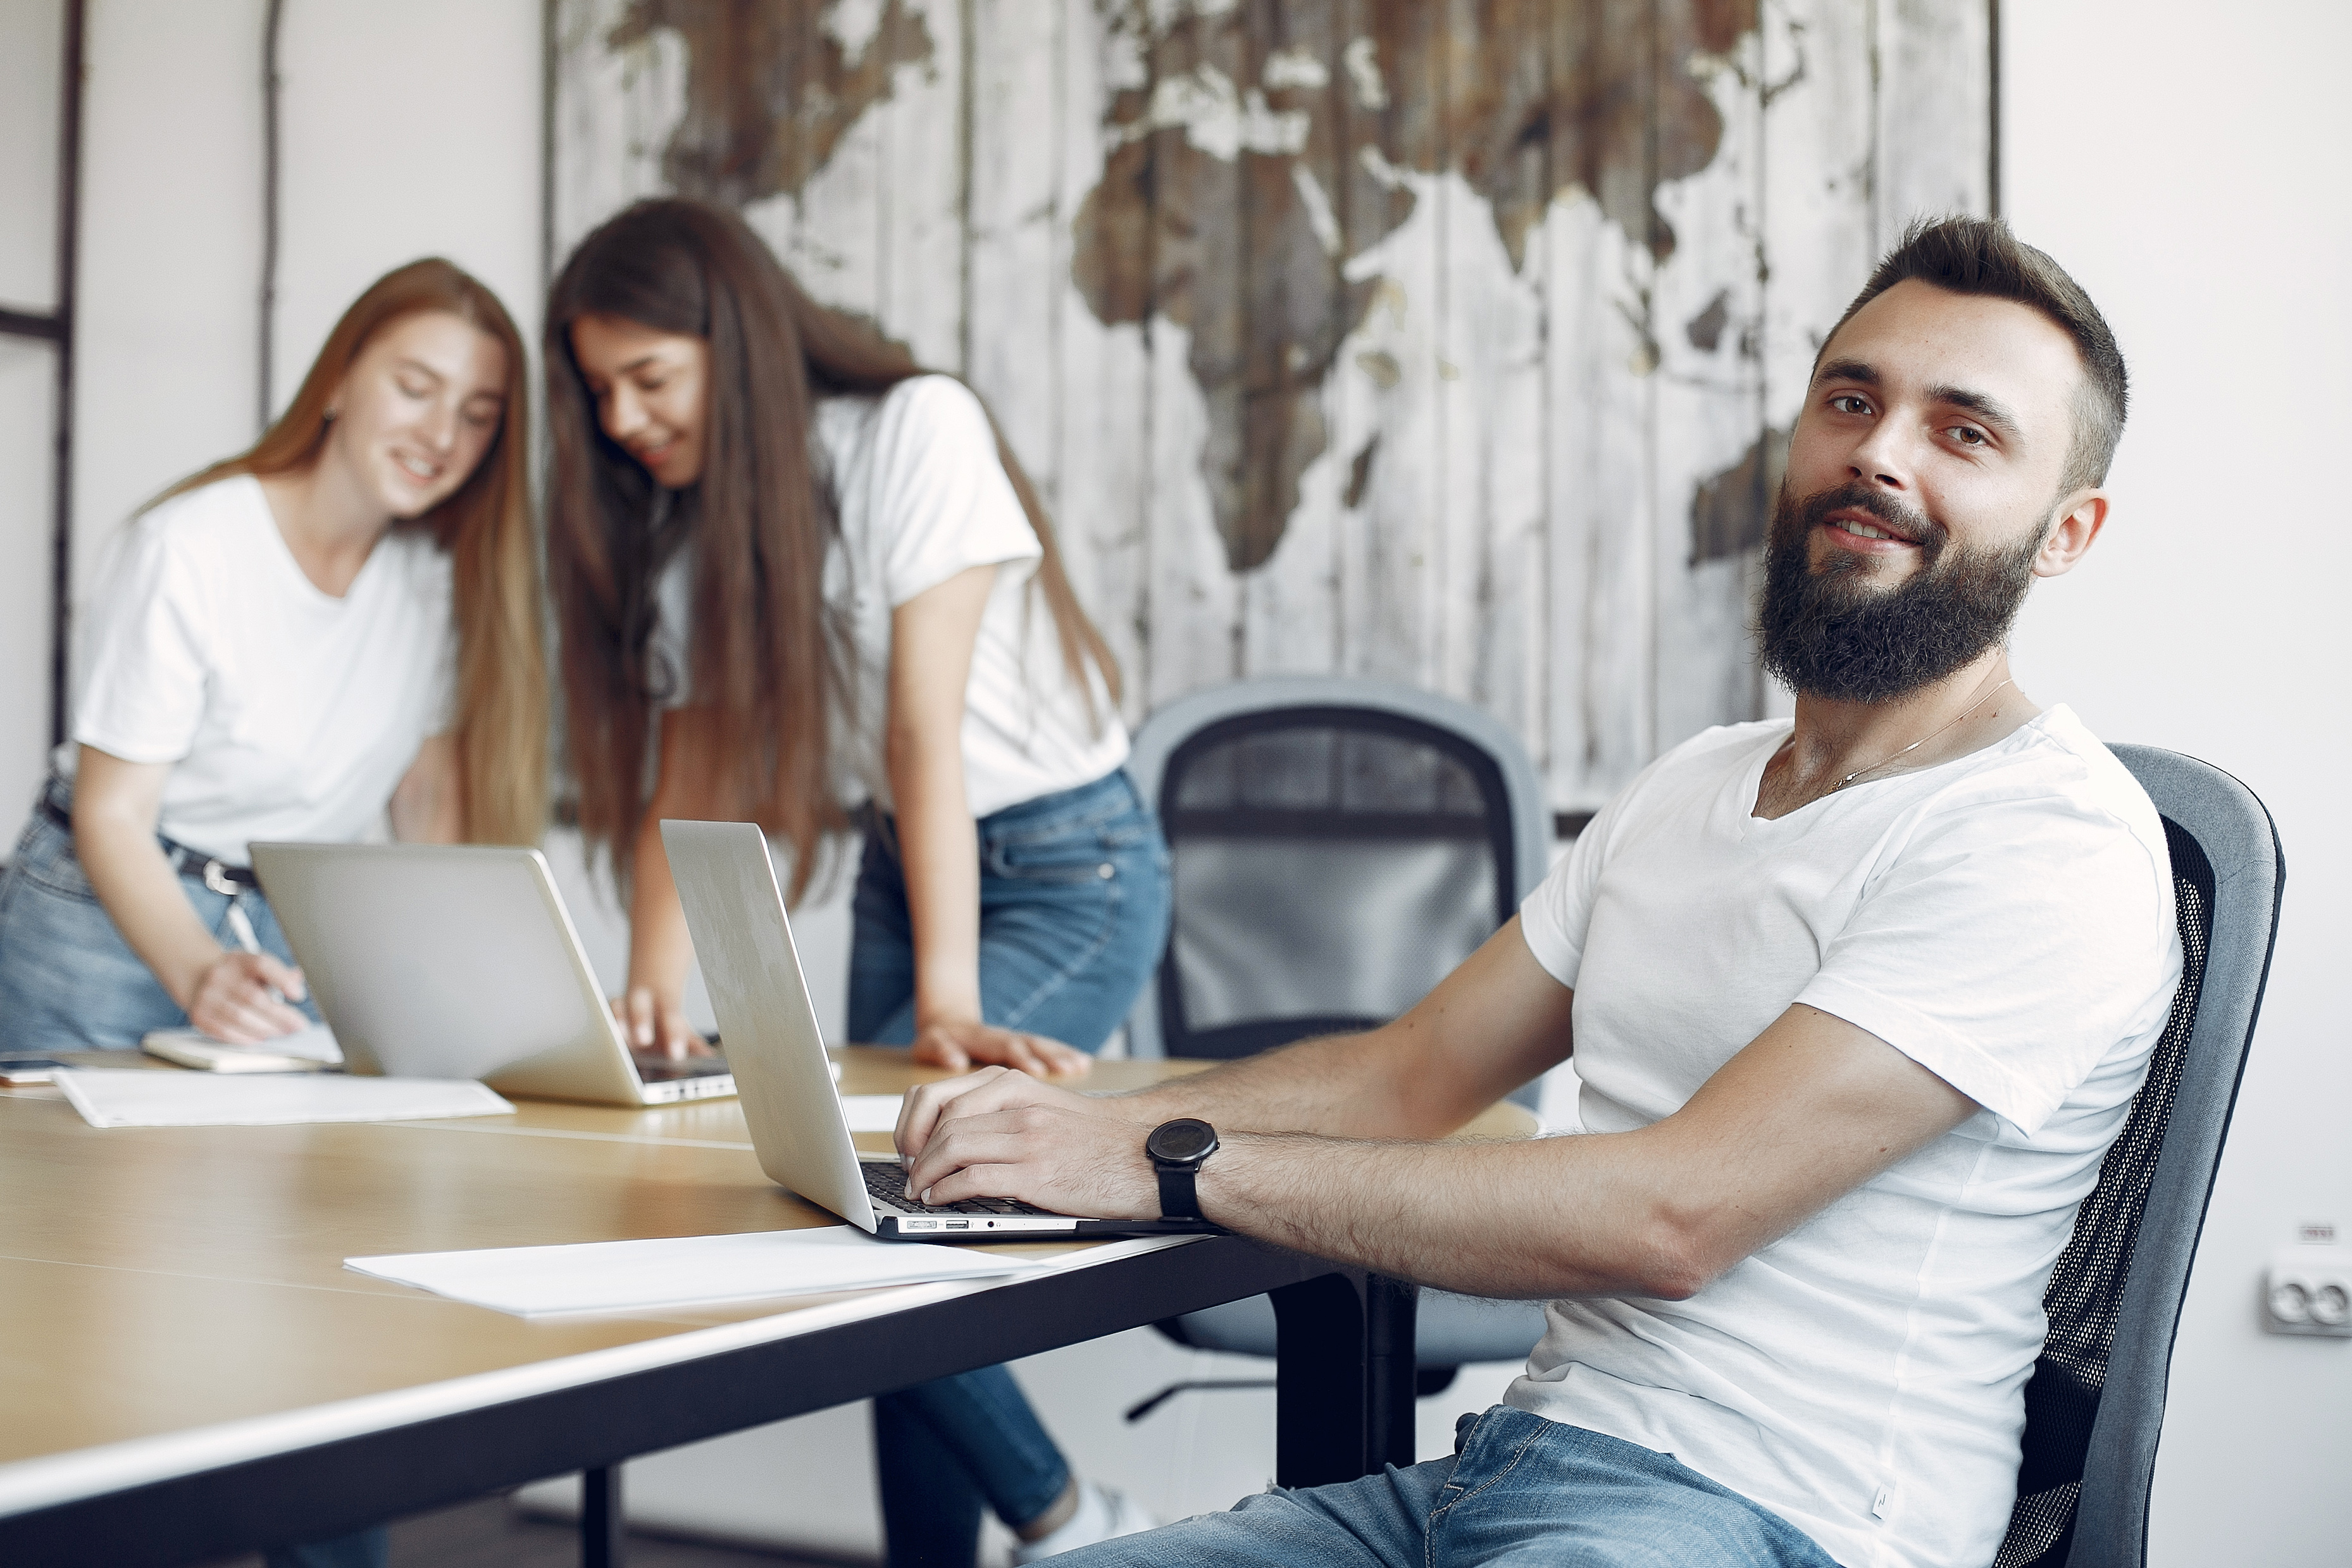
(885, 1184)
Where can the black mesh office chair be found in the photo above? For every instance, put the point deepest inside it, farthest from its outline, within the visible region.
(1339, 846)
(2095, 1407)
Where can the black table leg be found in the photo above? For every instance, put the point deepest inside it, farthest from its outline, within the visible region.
(1391, 1311)
(602, 1542)
(1343, 1378)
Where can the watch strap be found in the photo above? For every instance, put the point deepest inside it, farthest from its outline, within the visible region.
(1180, 1195)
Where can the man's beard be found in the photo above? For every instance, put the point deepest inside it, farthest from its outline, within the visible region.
(1829, 634)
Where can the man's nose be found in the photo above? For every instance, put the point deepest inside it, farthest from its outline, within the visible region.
(1882, 458)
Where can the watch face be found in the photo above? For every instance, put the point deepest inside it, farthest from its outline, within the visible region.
(1186, 1139)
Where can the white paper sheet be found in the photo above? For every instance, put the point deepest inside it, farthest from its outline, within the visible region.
(681, 1271)
(872, 1112)
(161, 1098)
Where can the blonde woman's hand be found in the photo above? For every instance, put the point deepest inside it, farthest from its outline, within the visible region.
(241, 999)
(960, 1045)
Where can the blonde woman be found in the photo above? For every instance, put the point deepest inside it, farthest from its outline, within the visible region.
(338, 627)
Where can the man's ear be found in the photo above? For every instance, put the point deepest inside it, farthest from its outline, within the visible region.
(2079, 518)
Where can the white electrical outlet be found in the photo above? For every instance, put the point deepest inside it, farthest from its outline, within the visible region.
(2308, 1290)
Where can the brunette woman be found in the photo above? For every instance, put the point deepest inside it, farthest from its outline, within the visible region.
(338, 626)
(801, 580)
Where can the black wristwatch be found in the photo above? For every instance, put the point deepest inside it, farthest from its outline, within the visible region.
(1177, 1149)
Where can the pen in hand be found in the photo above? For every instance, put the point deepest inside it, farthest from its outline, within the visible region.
(242, 928)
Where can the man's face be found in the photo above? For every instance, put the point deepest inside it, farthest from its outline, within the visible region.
(1923, 478)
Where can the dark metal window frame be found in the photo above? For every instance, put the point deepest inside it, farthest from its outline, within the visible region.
(58, 328)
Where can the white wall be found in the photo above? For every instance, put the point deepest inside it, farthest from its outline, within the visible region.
(2186, 169)
(171, 252)
(410, 131)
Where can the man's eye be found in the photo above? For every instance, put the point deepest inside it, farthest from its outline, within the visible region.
(1847, 403)
(1966, 435)
(415, 389)
(649, 387)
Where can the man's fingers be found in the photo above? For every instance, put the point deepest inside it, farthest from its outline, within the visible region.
(921, 1112)
(640, 1018)
(953, 1155)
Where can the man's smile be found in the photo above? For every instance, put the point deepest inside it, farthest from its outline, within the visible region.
(1865, 533)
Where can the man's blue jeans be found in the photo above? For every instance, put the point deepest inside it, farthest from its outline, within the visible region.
(1519, 1490)
(1074, 907)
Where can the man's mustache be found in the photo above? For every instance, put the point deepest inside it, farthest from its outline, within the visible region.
(1904, 521)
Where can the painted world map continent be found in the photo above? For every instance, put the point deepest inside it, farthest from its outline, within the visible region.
(1254, 153)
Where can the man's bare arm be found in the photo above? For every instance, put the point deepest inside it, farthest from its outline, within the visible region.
(1811, 1110)
(1494, 1024)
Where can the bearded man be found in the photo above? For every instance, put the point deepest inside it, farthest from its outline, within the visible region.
(1858, 1001)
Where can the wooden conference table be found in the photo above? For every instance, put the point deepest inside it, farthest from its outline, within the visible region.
(187, 1370)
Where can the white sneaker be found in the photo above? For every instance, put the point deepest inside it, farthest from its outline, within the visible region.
(1104, 1513)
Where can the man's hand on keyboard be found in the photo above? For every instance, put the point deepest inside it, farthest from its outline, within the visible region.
(1000, 1134)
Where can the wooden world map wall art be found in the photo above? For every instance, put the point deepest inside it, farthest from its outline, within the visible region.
(1449, 341)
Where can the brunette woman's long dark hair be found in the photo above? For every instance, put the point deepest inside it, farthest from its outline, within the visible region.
(763, 655)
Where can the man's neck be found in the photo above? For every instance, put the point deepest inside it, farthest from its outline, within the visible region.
(1841, 744)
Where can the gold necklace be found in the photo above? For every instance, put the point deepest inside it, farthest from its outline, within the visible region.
(1921, 741)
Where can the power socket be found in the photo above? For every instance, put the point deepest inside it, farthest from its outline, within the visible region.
(2308, 1290)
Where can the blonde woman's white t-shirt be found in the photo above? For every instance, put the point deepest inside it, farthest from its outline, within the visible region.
(2006, 921)
(920, 495)
(285, 713)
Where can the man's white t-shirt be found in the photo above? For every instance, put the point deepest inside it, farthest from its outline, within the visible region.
(921, 496)
(287, 713)
(2006, 921)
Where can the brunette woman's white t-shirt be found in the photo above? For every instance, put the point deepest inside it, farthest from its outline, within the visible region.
(285, 713)
(920, 495)
(2005, 921)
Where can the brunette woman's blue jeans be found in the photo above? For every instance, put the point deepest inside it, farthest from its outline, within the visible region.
(1074, 905)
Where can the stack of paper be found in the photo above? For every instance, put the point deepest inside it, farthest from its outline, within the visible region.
(156, 1099)
(682, 1271)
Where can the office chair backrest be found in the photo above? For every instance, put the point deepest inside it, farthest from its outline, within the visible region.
(2095, 1407)
(1339, 846)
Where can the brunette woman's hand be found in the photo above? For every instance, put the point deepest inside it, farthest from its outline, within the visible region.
(960, 1046)
(651, 1021)
(239, 999)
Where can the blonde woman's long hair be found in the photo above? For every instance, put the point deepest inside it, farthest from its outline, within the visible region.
(485, 527)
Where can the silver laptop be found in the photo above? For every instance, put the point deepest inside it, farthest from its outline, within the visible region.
(735, 909)
(460, 960)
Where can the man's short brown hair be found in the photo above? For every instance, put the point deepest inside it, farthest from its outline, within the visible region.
(1980, 255)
